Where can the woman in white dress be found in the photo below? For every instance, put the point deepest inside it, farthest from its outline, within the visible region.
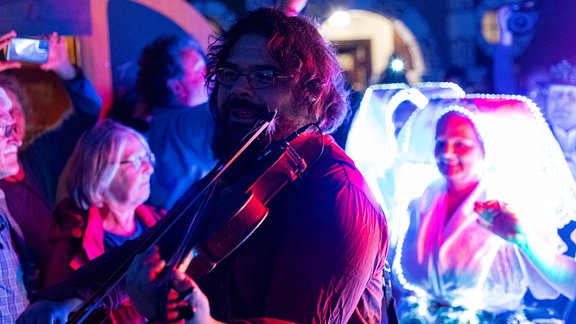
(486, 230)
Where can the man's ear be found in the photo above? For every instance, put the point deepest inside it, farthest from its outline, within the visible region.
(175, 86)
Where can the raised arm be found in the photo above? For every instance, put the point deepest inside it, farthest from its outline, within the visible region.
(556, 269)
(4, 41)
(54, 146)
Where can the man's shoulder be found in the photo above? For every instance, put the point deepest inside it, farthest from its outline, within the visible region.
(332, 169)
(332, 160)
(317, 147)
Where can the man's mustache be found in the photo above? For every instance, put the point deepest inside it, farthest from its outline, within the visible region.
(239, 103)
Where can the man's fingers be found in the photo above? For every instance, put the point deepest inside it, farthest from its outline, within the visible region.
(5, 39)
(182, 283)
(9, 65)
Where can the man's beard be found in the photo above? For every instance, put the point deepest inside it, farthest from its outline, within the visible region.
(227, 136)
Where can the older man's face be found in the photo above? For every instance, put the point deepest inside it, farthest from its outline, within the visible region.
(9, 141)
(17, 112)
(561, 106)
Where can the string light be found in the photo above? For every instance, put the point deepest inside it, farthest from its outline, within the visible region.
(397, 65)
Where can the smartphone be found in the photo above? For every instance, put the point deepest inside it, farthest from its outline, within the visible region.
(28, 50)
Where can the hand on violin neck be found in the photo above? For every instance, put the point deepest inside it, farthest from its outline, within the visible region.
(186, 298)
(176, 300)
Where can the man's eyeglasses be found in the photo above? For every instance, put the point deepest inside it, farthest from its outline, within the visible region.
(8, 130)
(258, 79)
(137, 161)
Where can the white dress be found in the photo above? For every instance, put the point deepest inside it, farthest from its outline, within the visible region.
(460, 264)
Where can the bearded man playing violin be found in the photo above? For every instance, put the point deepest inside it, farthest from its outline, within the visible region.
(319, 255)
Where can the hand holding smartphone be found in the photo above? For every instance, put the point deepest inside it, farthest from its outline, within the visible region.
(28, 50)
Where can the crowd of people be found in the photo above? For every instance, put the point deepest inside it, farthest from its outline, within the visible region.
(229, 200)
(318, 256)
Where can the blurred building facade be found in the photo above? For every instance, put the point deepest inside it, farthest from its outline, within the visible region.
(428, 36)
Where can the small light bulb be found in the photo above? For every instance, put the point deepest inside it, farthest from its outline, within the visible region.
(397, 65)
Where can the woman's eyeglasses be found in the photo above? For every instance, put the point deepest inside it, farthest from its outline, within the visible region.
(137, 161)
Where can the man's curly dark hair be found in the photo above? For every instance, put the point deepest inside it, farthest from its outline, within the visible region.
(301, 51)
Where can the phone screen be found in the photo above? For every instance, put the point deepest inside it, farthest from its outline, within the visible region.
(28, 50)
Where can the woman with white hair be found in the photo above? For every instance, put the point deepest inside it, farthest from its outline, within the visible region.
(107, 180)
(486, 230)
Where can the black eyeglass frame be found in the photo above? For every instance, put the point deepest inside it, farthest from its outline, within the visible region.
(252, 77)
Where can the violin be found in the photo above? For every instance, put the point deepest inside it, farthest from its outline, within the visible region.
(208, 223)
(244, 212)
